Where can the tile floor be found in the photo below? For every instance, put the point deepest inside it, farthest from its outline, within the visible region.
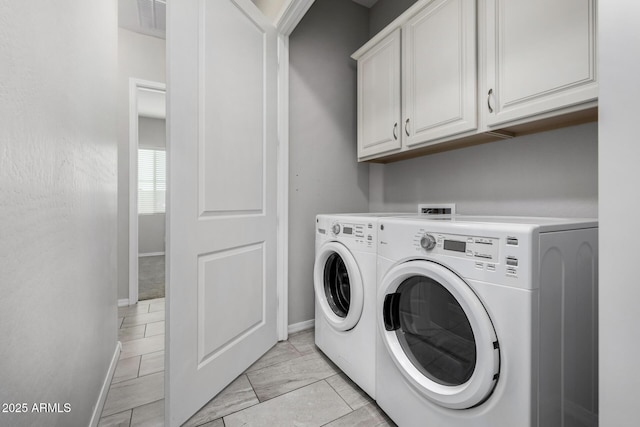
(293, 384)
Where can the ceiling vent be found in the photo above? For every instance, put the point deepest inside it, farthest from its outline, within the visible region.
(152, 14)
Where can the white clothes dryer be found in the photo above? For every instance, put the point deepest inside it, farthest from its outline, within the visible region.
(345, 291)
(487, 321)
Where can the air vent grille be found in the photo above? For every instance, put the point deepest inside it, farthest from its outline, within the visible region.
(152, 14)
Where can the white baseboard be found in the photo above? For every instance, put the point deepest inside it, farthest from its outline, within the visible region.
(102, 397)
(150, 254)
(301, 326)
(123, 302)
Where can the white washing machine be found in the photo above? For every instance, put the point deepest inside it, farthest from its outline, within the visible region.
(487, 321)
(345, 291)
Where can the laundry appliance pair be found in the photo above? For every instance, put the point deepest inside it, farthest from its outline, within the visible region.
(478, 321)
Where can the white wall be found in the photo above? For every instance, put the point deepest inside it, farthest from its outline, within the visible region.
(58, 180)
(324, 175)
(141, 57)
(553, 173)
(619, 69)
(151, 227)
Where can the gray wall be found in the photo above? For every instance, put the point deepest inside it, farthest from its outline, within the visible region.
(385, 11)
(58, 181)
(151, 228)
(141, 57)
(324, 175)
(553, 173)
(619, 110)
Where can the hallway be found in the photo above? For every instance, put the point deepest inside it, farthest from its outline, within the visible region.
(293, 384)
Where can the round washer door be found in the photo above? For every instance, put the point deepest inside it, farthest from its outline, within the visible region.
(439, 334)
(338, 286)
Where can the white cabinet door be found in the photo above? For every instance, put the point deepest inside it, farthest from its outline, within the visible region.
(540, 57)
(221, 297)
(439, 71)
(379, 98)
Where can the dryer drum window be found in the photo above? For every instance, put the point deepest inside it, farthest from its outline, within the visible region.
(434, 331)
(336, 285)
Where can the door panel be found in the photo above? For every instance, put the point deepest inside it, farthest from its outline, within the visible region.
(540, 56)
(439, 72)
(232, 76)
(379, 98)
(221, 293)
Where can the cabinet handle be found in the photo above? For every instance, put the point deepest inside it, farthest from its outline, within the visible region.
(489, 100)
(406, 129)
(395, 127)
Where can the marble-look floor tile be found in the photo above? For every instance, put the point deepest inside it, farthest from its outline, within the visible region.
(349, 391)
(121, 419)
(281, 352)
(366, 416)
(156, 306)
(149, 415)
(155, 328)
(237, 396)
(310, 406)
(284, 377)
(126, 369)
(132, 393)
(139, 308)
(304, 341)
(141, 319)
(142, 346)
(152, 363)
(133, 333)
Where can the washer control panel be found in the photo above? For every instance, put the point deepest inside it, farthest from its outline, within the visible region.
(474, 247)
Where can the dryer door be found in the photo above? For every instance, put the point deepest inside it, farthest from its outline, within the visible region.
(338, 286)
(438, 334)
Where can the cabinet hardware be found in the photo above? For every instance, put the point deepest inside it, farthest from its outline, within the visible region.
(489, 100)
(406, 124)
(395, 135)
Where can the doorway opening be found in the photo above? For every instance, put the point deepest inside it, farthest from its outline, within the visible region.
(147, 225)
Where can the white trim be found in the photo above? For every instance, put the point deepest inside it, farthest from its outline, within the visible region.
(134, 85)
(150, 254)
(301, 326)
(291, 15)
(286, 22)
(123, 302)
(102, 397)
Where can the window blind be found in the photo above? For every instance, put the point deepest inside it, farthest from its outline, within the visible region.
(152, 183)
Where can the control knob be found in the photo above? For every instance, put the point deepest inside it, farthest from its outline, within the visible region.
(428, 242)
(336, 229)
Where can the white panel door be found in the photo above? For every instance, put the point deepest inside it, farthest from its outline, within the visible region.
(379, 98)
(221, 299)
(439, 71)
(540, 56)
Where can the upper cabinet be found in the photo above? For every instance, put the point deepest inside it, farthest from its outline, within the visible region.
(527, 66)
(439, 71)
(379, 98)
(540, 56)
(434, 80)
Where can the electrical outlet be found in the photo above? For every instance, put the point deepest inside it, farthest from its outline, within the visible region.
(437, 208)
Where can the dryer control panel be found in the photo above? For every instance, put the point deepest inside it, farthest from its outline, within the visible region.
(474, 247)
